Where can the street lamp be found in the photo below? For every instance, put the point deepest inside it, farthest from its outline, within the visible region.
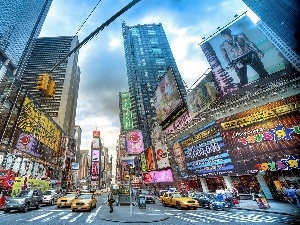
(130, 172)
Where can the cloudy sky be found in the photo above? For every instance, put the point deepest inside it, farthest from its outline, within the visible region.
(102, 60)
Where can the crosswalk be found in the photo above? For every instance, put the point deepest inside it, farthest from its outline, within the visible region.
(234, 216)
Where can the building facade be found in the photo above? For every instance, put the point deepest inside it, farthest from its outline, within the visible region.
(282, 16)
(148, 55)
(46, 52)
(20, 24)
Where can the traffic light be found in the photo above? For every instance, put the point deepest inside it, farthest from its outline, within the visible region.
(42, 82)
(51, 89)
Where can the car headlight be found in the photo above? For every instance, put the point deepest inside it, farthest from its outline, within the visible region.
(86, 203)
(21, 201)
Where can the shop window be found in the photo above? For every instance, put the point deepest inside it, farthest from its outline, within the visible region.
(214, 183)
(246, 184)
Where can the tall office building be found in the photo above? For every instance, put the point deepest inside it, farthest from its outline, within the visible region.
(282, 17)
(46, 52)
(148, 55)
(20, 24)
(77, 138)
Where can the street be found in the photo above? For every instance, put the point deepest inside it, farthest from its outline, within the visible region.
(169, 216)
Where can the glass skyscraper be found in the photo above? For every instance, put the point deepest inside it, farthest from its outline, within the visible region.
(20, 23)
(148, 55)
(282, 17)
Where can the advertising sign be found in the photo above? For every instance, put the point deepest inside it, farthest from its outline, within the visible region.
(178, 123)
(95, 170)
(167, 96)
(150, 159)
(96, 134)
(75, 166)
(241, 54)
(202, 95)
(266, 132)
(143, 162)
(33, 121)
(134, 142)
(96, 155)
(162, 156)
(27, 143)
(96, 143)
(158, 176)
(202, 153)
(126, 111)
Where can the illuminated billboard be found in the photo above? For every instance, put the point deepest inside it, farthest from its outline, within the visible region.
(266, 132)
(134, 142)
(202, 95)
(96, 143)
(95, 155)
(126, 111)
(162, 156)
(35, 122)
(203, 153)
(96, 134)
(150, 160)
(158, 176)
(75, 166)
(177, 124)
(95, 170)
(241, 54)
(27, 143)
(167, 96)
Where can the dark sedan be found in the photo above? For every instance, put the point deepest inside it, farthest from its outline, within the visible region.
(203, 198)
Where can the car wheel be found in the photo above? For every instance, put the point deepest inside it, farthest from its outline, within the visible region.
(37, 206)
(178, 206)
(164, 204)
(90, 209)
(95, 205)
(6, 210)
(52, 202)
(25, 208)
(73, 210)
(58, 206)
(210, 206)
(153, 202)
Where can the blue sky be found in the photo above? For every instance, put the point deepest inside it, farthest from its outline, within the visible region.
(102, 60)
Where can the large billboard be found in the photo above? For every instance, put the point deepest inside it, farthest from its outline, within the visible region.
(203, 153)
(150, 159)
(241, 54)
(158, 176)
(27, 143)
(95, 171)
(265, 133)
(95, 155)
(200, 98)
(96, 143)
(167, 96)
(96, 134)
(134, 142)
(126, 111)
(177, 124)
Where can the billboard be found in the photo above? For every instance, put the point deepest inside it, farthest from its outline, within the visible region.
(162, 156)
(35, 122)
(158, 176)
(27, 143)
(265, 132)
(203, 153)
(96, 134)
(150, 160)
(95, 155)
(126, 111)
(200, 98)
(167, 97)
(143, 162)
(241, 54)
(95, 171)
(96, 143)
(174, 127)
(75, 166)
(134, 142)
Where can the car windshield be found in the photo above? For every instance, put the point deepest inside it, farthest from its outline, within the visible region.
(70, 195)
(177, 195)
(145, 192)
(22, 194)
(84, 196)
(48, 193)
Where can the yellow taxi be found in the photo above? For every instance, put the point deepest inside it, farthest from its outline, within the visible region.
(84, 202)
(66, 200)
(177, 200)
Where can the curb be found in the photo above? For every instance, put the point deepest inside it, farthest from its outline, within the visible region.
(136, 221)
(263, 210)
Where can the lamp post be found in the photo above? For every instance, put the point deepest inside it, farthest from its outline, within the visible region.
(129, 168)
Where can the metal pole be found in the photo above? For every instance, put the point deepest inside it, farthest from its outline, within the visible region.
(131, 207)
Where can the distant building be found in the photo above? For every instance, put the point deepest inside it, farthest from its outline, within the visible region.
(77, 138)
(282, 16)
(148, 55)
(46, 52)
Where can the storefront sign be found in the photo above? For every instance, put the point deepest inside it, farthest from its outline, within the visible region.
(283, 164)
(158, 176)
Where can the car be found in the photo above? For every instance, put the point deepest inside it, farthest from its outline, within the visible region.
(98, 192)
(177, 200)
(84, 202)
(24, 200)
(149, 198)
(217, 204)
(203, 198)
(66, 200)
(50, 197)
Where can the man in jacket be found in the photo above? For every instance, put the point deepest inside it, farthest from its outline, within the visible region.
(110, 201)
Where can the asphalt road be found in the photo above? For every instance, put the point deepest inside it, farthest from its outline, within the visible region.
(62, 216)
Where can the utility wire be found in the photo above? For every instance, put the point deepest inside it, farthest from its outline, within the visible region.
(95, 32)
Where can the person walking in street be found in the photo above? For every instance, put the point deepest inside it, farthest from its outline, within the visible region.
(110, 201)
(292, 194)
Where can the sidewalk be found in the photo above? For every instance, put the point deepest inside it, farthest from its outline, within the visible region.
(122, 214)
(275, 207)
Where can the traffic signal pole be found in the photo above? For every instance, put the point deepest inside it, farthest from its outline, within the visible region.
(94, 33)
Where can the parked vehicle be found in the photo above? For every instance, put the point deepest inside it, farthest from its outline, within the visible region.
(24, 200)
(66, 200)
(203, 198)
(177, 200)
(149, 197)
(50, 197)
(84, 202)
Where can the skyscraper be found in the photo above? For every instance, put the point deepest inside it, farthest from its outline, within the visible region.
(148, 55)
(282, 17)
(20, 23)
(46, 52)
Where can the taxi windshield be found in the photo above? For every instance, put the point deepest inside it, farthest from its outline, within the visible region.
(176, 195)
(70, 195)
(84, 196)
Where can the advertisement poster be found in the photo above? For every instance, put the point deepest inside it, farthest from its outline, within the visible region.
(202, 153)
(126, 111)
(127, 161)
(134, 142)
(96, 155)
(96, 134)
(264, 134)
(143, 162)
(162, 156)
(241, 54)
(96, 143)
(167, 96)
(158, 176)
(150, 159)
(27, 143)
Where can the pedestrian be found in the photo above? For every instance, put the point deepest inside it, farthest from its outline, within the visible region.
(292, 195)
(110, 201)
(235, 193)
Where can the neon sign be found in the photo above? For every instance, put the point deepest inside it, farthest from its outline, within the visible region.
(283, 164)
